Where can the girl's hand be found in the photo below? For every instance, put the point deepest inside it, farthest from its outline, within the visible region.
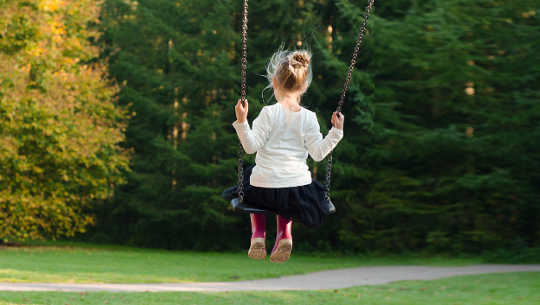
(241, 111)
(337, 120)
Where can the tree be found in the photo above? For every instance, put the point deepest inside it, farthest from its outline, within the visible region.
(60, 127)
(430, 159)
(445, 166)
(178, 71)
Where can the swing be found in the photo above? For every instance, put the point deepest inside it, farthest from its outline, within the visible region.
(238, 203)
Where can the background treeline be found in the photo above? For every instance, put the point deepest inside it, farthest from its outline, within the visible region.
(442, 141)
(442, 138)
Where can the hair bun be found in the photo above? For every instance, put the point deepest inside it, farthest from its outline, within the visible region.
(289, 71)
(300, 59)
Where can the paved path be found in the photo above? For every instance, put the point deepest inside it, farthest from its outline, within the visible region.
(332, 279)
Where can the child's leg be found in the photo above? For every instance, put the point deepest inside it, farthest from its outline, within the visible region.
(284, 227)
(258, 225)
(257, 249)
(283, 246)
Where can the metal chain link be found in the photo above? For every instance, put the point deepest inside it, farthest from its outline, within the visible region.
(243, 86)
(346, 87)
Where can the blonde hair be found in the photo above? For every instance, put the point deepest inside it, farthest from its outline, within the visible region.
(290, 69)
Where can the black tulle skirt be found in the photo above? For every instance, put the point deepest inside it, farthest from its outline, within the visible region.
(305, 203)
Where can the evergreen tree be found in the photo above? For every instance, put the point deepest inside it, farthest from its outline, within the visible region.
(442, 168)
(431, 157)
(179, 73)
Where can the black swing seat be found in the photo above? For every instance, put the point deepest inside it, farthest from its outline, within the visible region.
(237, 206)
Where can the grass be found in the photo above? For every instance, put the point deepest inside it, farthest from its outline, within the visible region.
(86, 263)
(490, 289)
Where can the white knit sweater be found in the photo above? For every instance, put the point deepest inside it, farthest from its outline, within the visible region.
(282, 140)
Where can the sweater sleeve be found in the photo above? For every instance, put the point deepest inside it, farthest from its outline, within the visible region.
(253, 139)
(317, 147)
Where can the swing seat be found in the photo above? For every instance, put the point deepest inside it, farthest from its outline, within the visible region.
(238, 206)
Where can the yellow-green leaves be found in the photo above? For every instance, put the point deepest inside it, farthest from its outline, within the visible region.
(60, 127)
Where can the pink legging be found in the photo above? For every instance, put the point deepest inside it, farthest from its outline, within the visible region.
(258, 226)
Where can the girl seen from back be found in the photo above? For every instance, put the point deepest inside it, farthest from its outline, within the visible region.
(283, 135)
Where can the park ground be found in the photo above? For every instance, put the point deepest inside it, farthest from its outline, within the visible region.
(57, 262)
(84, 263)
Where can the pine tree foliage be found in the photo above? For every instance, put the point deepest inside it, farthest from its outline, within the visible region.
(440, 147)
(444, 161)
(178, 68)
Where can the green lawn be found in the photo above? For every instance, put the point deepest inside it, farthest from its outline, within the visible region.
(491, 289)
(83, 263)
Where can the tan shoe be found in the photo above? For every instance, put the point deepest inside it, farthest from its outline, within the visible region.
(282, 252)
(257, 250)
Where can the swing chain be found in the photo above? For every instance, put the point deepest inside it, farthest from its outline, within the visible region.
(243, 97)
(346, 87)
(244, 50)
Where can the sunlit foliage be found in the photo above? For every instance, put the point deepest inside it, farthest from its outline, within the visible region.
(60, 128)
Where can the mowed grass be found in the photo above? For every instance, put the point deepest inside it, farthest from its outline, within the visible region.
(490, 289)
(86, 263)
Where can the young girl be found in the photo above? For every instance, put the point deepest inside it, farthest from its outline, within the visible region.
(282, 136)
